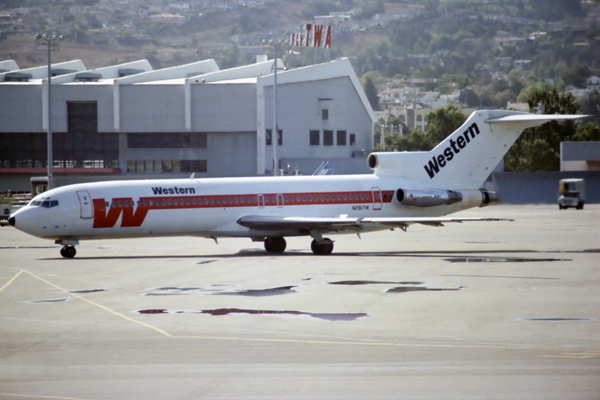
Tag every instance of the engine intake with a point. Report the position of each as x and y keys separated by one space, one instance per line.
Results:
x=427 y=197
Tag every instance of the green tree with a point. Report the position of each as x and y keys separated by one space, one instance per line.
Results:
x=589 y=132
x=469 y=97
x=442 y=122
x=538 y=149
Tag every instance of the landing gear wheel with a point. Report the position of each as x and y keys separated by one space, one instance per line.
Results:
x=322 y=249
x=275 y=245
x=68 y=251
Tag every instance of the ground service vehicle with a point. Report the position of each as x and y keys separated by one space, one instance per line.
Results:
x=572 y=193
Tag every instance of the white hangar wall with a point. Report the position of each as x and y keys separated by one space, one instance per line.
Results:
x=167 y=123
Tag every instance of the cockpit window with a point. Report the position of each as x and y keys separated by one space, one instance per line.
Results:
x=49 y=203
x=46 y=203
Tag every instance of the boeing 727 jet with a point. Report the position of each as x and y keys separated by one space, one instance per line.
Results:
x=406 y=188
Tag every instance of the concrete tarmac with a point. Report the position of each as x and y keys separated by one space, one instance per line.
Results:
x=489 y=310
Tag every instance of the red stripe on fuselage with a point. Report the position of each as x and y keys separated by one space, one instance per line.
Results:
x=134 y=215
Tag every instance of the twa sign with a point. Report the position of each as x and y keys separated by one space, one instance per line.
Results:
x=318 y=36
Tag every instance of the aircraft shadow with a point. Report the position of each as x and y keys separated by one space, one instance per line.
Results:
x=452 y=254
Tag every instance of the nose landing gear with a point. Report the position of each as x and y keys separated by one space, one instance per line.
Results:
x=68 y=251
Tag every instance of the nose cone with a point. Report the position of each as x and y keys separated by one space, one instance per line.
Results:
x=12 y=220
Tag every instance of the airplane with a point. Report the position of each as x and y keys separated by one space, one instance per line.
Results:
x=405 y=188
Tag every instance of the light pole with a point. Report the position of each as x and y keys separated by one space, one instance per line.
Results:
x=275 y=131
x=49 y=40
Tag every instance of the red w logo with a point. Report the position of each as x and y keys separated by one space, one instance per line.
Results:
x=102 y=219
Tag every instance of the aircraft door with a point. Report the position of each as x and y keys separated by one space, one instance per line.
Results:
x=261 y=201
x=377 y=199
x=85 y=204
x=280 y=200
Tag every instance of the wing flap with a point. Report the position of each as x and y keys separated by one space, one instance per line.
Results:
x=261 y=222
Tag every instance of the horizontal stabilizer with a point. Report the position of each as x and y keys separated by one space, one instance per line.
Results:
x=542 y=118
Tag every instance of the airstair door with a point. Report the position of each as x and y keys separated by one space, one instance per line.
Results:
x=377 y=200
x=85 y=204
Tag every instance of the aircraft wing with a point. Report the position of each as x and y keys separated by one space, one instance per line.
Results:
x=261 y=222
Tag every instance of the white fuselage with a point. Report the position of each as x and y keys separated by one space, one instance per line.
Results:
x=212 y=207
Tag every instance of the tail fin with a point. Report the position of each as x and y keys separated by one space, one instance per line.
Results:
x=466 y=157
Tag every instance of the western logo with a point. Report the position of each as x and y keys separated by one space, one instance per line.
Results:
x=122 y=206
x=173 y=190
x=441 y=160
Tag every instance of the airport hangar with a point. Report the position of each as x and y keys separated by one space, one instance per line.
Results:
x=132 y=122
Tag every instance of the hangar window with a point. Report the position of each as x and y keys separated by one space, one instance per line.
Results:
x=194 y=166
x=341 y=138
x=352 y=139
x=324 y=114
x=315 y=138
x=327 y=138
x=167 y=140
x=270 y=137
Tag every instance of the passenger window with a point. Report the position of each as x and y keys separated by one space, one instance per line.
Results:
x=126 y=203
x=174 y=201
x=114 y=204
x=106 y=204
x=218 y=200
x=236 y=200
x=345 y=197
x=188 y=202
x=303 y=198
x=145 y=203
x=242 y=200
x=327 y=197
x=164 y=203
x=230 y=200
x=362 y=196
x=120 y=204
x=322 y=198
x=309 y=198
x=169 y=202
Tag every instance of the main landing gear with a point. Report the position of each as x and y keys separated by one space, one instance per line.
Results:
x=322 y=249
x=275 y=245
x=68 y=251
x=278 y=244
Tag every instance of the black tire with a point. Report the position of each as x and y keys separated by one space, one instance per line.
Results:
x=275 y=245
x=579 y=205
x=322 y=249
x=70 y=251
x=62 y=251
x=560 y=207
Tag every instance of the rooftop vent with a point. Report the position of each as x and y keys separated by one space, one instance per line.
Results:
x=129 y=71
x=17 y=77
x=61 y=71
x=88 y=77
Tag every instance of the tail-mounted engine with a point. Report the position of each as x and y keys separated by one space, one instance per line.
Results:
x=488 y=198
x=427 y=197
x=442 y=197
